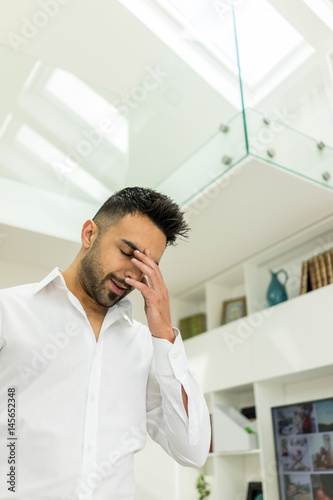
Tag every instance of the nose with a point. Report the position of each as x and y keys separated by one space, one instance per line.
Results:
x=133 y=272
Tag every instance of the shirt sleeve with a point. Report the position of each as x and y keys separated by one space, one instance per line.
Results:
x=185 y=438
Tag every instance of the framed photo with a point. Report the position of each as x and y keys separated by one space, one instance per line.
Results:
x=233 y=309
x=254 y=491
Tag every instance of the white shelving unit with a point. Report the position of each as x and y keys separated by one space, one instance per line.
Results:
x=275 y=355
x=251 y=278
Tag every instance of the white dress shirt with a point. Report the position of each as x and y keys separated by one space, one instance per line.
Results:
x=83 y=408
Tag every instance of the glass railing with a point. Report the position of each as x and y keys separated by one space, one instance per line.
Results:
x=287 y=88
x=209 y=163
x=279 y=144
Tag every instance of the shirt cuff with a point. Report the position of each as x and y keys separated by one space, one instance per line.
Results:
x=170 y=359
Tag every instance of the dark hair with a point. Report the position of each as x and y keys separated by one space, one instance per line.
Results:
x=160 y=209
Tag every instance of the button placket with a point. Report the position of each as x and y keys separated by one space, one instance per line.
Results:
x=91 y=417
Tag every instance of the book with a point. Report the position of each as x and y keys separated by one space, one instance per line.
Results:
x=312 y=275
x=304 y=278
x=317 y=272
x=322 y=270
x=192 y=325
x=328 y=265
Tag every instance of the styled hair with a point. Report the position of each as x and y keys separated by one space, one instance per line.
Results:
x=159 y=208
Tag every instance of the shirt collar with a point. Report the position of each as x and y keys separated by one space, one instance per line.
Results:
x=55 y=276
x=125 y=305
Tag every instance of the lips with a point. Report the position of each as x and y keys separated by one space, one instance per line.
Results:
x=119 y=289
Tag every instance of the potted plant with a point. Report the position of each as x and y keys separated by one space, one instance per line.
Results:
x=202 y=487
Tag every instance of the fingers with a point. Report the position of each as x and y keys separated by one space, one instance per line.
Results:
x=139 y=285
x=146 y=258
x=152 y=277
x=143 y=267
x=146 y=264
x=145 y=281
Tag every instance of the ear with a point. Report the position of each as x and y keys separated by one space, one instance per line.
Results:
x=89 y=234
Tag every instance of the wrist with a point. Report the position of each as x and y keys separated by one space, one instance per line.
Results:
x=166 y=334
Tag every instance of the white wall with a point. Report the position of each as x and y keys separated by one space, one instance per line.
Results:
x=14 y=273
x=155 y=474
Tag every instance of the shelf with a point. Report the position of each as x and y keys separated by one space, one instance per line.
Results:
x=279 y=341
x=251 y=278
x=228 y=453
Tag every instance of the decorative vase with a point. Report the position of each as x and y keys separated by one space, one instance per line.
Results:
x=276 y=292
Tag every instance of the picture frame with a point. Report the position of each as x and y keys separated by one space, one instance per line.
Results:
x=254 y=491
x=233 y=309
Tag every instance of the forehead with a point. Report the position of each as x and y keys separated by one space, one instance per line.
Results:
x=139 y=230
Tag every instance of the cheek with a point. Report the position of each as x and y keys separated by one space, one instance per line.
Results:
x=115 y=261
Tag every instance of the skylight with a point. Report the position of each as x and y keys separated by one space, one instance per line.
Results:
x=323 y=9
x=259 y=26
x=90 y=106
x=53 y=158
x=202 y=33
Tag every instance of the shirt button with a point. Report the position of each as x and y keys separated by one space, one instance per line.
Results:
x=92 y=397
x=175 y=356
x=89 y=448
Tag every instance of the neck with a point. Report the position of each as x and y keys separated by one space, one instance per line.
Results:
x=73 y=284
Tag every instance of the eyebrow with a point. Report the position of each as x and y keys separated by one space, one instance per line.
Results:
x=133 y=246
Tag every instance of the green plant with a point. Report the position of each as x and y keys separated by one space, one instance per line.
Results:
x=202 y=487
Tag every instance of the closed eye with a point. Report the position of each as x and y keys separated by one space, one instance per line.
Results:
x=127 y=254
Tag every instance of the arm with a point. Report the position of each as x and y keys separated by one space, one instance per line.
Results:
x=177 y=415
x=183 y=435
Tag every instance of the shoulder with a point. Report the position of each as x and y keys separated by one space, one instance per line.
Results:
x=17 y=291
x=141 y=329
x=16 y=296
x=142 y=336
x=13 y=299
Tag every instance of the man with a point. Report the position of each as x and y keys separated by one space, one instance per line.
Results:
x=81 y=382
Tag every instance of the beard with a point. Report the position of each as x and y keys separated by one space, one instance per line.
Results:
x=95 y=283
